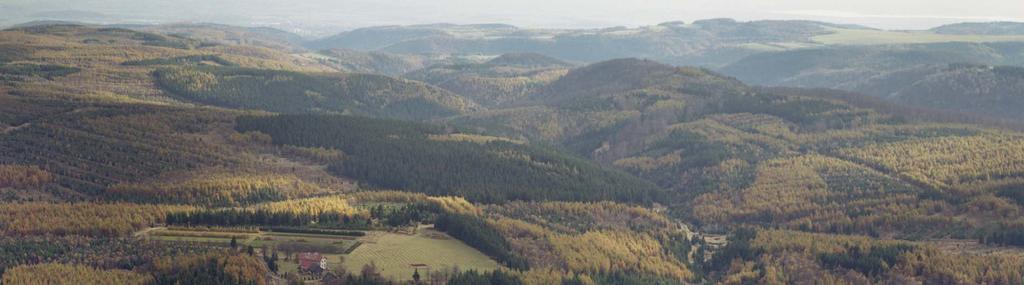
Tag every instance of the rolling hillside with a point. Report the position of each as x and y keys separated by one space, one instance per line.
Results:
x=736 y=154
x=995 y=91
x=294 y=92
x=958 y=77
x=162 y=158
x=839 y=66
x=707 y=42
x=503 y=79
x=349 y=60
x=425 y=158
x=234 y=35
x=134 y=148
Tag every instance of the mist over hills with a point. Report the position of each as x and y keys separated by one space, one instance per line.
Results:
x=226 y=34
x=710 y=43
x=706 y=42
x=962 y=77
x=994 y=28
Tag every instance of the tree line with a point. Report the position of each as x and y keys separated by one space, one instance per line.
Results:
x=478 y=234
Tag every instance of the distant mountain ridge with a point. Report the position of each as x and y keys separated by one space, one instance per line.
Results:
x=996 y=91
x=989 y=28
x=711 y=43
x=965 y=77
x=208 y=32
x=705 y=42
x=226 y=34
x=350 y=60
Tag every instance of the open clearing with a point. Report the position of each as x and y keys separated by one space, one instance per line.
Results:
x=257 y=240
x=395 y=253
x=874 y=37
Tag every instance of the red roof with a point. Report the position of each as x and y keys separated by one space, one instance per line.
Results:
x=309 y=260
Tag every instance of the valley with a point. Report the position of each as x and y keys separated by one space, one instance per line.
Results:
x=704 y=153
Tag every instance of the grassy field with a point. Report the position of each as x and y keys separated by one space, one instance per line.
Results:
x=194 y=239
x=203 y=234
x=257 y=240
x=395 y=253
x=873 y=37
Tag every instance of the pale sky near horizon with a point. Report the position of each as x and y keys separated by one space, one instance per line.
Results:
x=887 y=14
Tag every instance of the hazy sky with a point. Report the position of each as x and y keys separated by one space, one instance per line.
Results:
x=889 y=14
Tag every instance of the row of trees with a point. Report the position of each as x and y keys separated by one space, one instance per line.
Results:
x=370 y=275
x=262 y=217
x=329 y=211
x=472 y=277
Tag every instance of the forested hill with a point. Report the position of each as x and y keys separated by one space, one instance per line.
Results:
x=180 y=159
x=131 y=146
x=528 y=60
x=970 y=78
x=846 y=66
x=501 y=80
x=225 y=34
x=295 y=92
x=357 y=61
x=984 y=90
x=623 y=75
x=426 y=158
x=735 y=154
